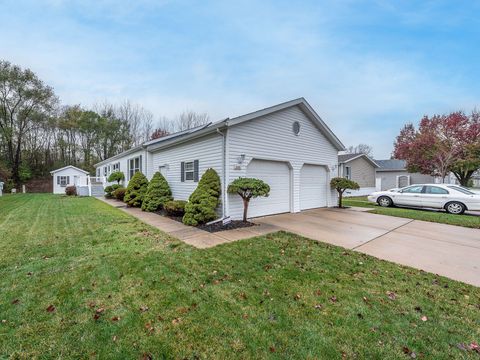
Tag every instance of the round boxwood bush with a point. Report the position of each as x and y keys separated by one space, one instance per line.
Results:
x=203 y=202
x=136 y=189
x=158 y=193
x=110 y=189
x=119 y=194
x=175 y=207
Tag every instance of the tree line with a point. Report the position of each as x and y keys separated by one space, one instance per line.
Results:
x=39 y=134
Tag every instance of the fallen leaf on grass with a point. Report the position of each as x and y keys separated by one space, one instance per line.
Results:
x=114 y=338
x=15 y=302
x=143 y=308
x=424 y=318
x=318 y=306
x=333 y=299
x=100 y=310
x=272 y=349
x=176 y=321
x=50 y=308
x=408 y=352
x=318 y=292
x=297 y=297
x=147 y=356
x=115 y=318
x=391 y=295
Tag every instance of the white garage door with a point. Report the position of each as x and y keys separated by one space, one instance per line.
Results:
x=313 y=187
x=277 y=175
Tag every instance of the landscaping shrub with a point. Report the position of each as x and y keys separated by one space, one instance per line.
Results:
x=119 y=194
x=71 y=191
x=341 y=184
x=116 y=176
x=110 y=189
x=175 y=207
x=158 y=193
x=248 y=188
x=204 y=200
x=136 y=189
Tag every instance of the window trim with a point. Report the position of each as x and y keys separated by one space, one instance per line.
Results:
x=140 y=166
x=348 y=172
x=116 y=167
x=63 y=177
x=192 y=171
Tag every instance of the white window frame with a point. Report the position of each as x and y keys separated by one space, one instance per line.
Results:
x=135 y=168
x=189 y=171
x=348 y=172
x=116 y=167
x=63 y=180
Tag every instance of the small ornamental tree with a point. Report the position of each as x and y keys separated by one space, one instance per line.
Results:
x=203 y=202
x=341 y=184
x=117 y=176
x=136 y=189
x=158 y=193
x=248 y=188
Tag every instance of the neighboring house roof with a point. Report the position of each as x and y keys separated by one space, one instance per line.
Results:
x=69 y=167
x=212 y=127
x=392 y=165
x=345 y=158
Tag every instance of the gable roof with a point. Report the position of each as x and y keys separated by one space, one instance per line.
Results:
x=67 y=167
x=212 y=127
x=391 y=165
x=345 y=158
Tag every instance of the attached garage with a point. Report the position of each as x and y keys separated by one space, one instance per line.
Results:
x=313 y=187
x=277 y=175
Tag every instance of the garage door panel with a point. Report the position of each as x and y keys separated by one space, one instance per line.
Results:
x=313 y=187
x=277 y=176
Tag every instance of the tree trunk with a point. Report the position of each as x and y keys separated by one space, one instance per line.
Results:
x=245 y=209
x=340 y=198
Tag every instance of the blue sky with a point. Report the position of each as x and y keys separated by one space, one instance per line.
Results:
x=367 y=67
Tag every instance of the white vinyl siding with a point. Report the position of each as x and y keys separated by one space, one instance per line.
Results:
x=271 y=137
x=207 y=150
x=66 y=177
x=122 y=164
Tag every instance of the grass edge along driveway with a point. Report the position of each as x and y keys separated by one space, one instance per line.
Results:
x=82 y=279
x=465 y=220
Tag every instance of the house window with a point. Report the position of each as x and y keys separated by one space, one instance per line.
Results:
x=189 y=171
x=134 y=166
x=105 y=171
x=348 y=172
x=98 y=172
x=63 y=180
x=116 y=167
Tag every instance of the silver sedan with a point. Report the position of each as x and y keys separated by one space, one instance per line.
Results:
x=453 y=198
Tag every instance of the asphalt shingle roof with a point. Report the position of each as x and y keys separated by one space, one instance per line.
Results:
x=392 y=164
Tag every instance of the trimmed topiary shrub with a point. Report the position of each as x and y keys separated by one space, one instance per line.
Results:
x=119 y=194
x=116 y=176
x=175 y=207
x=110 y=189
x=248 y=188
x=341 y=184
x=71 y=191
x=136 y=189
x=203 y=202
x=158 y=193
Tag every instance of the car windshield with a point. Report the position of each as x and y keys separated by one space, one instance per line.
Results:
x=462 y=190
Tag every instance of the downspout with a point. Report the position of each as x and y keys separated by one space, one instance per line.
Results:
x=224 y=177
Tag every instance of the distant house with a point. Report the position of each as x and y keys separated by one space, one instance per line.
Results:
x=287 y=145
x=67 y=176
x=359 y=168
x=392 y=173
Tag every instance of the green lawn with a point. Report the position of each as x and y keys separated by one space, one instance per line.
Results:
x=80 y=279
x=466 y=220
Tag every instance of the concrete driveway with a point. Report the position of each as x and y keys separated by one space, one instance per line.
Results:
x=447 y=250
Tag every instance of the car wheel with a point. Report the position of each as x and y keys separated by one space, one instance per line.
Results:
x=455 y=208
x=384 y=201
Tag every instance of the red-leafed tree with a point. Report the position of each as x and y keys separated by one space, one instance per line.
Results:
x=159 y=133
x=442 y=143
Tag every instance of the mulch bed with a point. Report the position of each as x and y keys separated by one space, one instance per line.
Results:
x=164 y=214
x=218 y=226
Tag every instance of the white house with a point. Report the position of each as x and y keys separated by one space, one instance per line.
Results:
x=67 y=176
x=287 y=145
x=359 y=168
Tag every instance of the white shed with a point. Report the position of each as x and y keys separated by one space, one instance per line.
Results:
x=67 y=176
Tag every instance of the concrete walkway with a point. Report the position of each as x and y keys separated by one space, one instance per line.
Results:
x=447 y=250
x=191 y=235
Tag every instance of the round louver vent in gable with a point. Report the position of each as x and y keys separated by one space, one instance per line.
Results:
x=296 y=127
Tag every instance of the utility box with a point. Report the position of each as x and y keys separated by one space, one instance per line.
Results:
x=1 y=188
